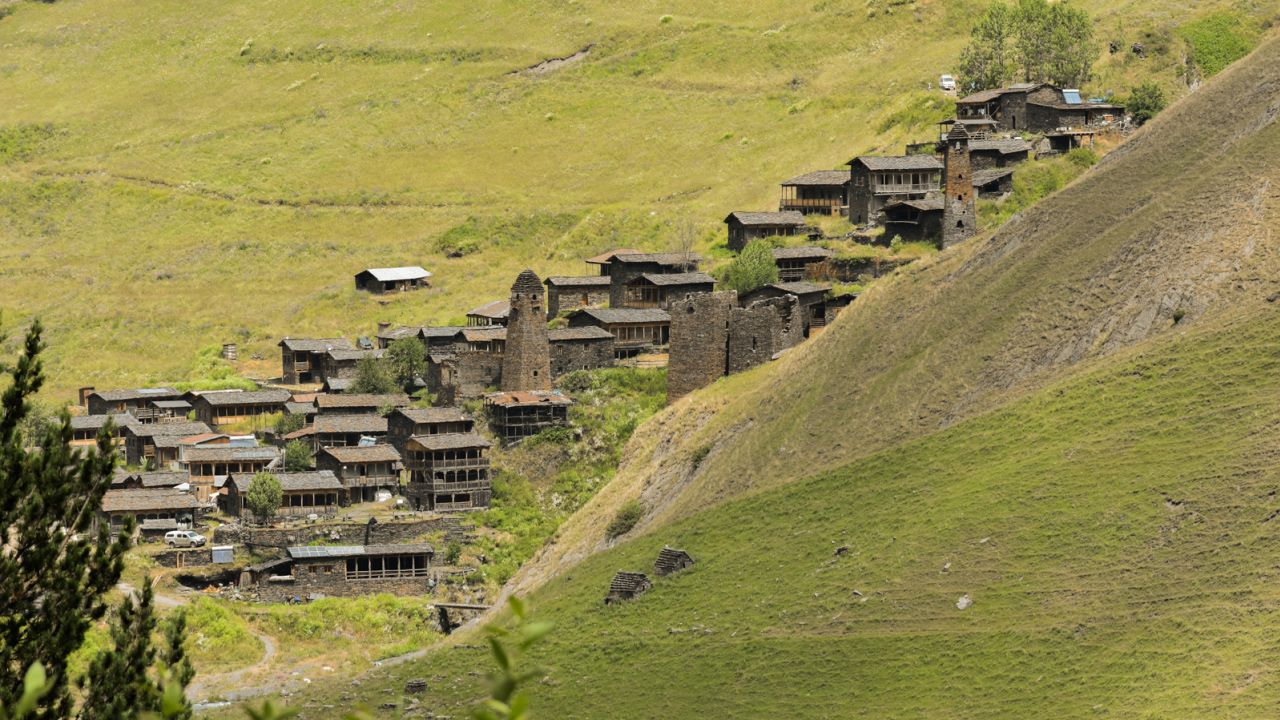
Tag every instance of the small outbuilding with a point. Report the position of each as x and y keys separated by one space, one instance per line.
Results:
x=627 y=586
x=913 y=220
x=395 y=279
x=799 y=263
x=576 y=291
x=744 y=227
x=821 y=191
x=518 y=414
x=671 y=560
x=490 y=313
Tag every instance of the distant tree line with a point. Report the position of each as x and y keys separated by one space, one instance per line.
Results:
x=1029 y=41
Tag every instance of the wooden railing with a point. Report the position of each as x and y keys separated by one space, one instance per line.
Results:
x=440 y=486
x=905 y=188
x=388 y=574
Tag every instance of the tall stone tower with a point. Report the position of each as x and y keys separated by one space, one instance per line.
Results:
x=526 y=362
x=959 y=216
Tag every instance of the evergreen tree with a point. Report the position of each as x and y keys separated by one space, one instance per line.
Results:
x=56 y=567
x=263 y=496
x=117 y=685
x=753 y=268
x=297 y=456
x=407 y=358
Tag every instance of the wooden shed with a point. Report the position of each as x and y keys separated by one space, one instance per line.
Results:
x=394 y=279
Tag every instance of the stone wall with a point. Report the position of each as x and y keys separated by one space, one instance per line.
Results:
x=959 y=214
x=526 y=361
x=763 y=329
x=384 y=533
x=178 y=557
x=335 y=584
x=570 y=355
x=466 y=375
x=699 y=341
x=570 y=298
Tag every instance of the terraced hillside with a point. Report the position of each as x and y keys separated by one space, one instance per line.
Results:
x=176 y=175
x=1073 y=423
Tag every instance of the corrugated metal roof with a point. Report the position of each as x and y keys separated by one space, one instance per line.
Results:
x=393 y=274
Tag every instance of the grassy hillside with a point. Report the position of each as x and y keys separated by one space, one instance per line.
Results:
x=1073 y=422
x=179 y=175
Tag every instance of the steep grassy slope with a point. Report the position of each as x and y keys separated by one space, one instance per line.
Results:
x=1099 y=478
x=1174 y=229
x=179 y=174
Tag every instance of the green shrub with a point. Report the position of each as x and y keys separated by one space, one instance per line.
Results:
x=1219 y=39
x=298 y=456
x=1083 y=157
x=753 y=268
x=21 y=142
x=629 y=515
x=477 y=233
x=1146 y=101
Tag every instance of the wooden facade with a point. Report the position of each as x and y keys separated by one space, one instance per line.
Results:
x=108 y=402
x=205 y=463
x=518 y=415
x=880 y=180
x=823 y=192
x=743 y=227
x=302 y=359
x=303 y=493
x=633 y=329
x=657 y=290
x=799 y=263
x=225 y=407
x=362 y=471
x=448 y=472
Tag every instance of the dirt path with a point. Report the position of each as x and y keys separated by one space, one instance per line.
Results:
x=198 y=692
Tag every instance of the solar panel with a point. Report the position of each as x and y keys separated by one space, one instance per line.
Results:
x=1071 y=97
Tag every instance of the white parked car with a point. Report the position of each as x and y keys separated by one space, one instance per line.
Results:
x=948 y=83
x=183 y=538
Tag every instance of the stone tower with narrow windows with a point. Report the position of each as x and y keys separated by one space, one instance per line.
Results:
x=959 y=215
x=526 y=361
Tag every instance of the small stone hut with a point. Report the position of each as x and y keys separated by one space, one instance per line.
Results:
x=626 y=586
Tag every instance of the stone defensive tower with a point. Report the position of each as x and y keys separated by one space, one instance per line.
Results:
x=699 y=341
x=959 y=216
x=526 y=362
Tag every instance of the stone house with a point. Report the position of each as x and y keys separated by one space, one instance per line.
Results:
x=156 y=510
x=657 y=290
x=85 y=428
x=357 y=404
x=463 y=375
x=395 y=279
x=490 y=313
x=486 y=338
x=1038 y=107
x=517 y=415
x=304 y=493
x=811 y=298
x=623 y=267
x=627 y=586
x=388 y=334
x=634 y=330
x=362 y=470
x=566 y=293
x=979 y=128
x=346 y=430
x=156 y=444
x=743 y=227
x=407 y=422
x=989 y=154
x=579 y=348
x=914 y=220
x=314 y=571
x=993 y=183
x=150 y=480
x=224 y=407
x=711 y=336
x=448 y=471
x=604 y=261
x=822 y=191
x=799 y=263
x=162 y=410
x=342 y=364
x=204 y=464
x=109 y=402
x=302 y=359
x=880 y=180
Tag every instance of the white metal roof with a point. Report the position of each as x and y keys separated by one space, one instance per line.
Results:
x=398 y=273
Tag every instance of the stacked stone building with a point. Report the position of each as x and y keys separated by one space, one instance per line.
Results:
x=959 y=214
x=526 y=359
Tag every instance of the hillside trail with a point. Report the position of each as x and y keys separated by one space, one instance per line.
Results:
x=199 y=691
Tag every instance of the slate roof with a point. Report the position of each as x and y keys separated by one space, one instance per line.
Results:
x=926 y=205
x=347 y=354
x=136 y=500
x=315 y=344
x=496 y=310
x=527 y=282
x=350 y=424
x=1004 y=147
x=677 y=279
x=629 y=583
x=95 y=422
x=622 y=316
x=898 y=162
x=304 y=552
x=411 y=272
x=358 y=400
x=986 y=177
x=266 y=397
x=371 y=453
x=527 y=398
x=606 y=257
x=399 y=331
x=162 y=393
x=796 y=288
x=820 y=177
x=434 y=414
x=291 y=481
x=337 y=384
x=182 y=428
x=799 y=253
x=984 y=96
x=299 y=408
x=171 y=404
x=450 y=441
x=442 y=331
x=590 y=332
x=793 y=218
x=228 y=453
x=670 y=258
x=484 y=333
x=157 y=479
x=578 y=281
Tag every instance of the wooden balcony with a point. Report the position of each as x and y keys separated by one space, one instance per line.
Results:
x=906 y=188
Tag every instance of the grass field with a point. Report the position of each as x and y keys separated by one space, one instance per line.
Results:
x=174 y=176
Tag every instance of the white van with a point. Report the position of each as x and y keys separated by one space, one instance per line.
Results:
x=948 y=83
x=183 y=538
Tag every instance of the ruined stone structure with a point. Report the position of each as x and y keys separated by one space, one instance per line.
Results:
x=464 y=375
x=711 y=336
x=626 y=586
x=671 y=560
x=526 y=360
x=959 y=214
x=344 y=571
